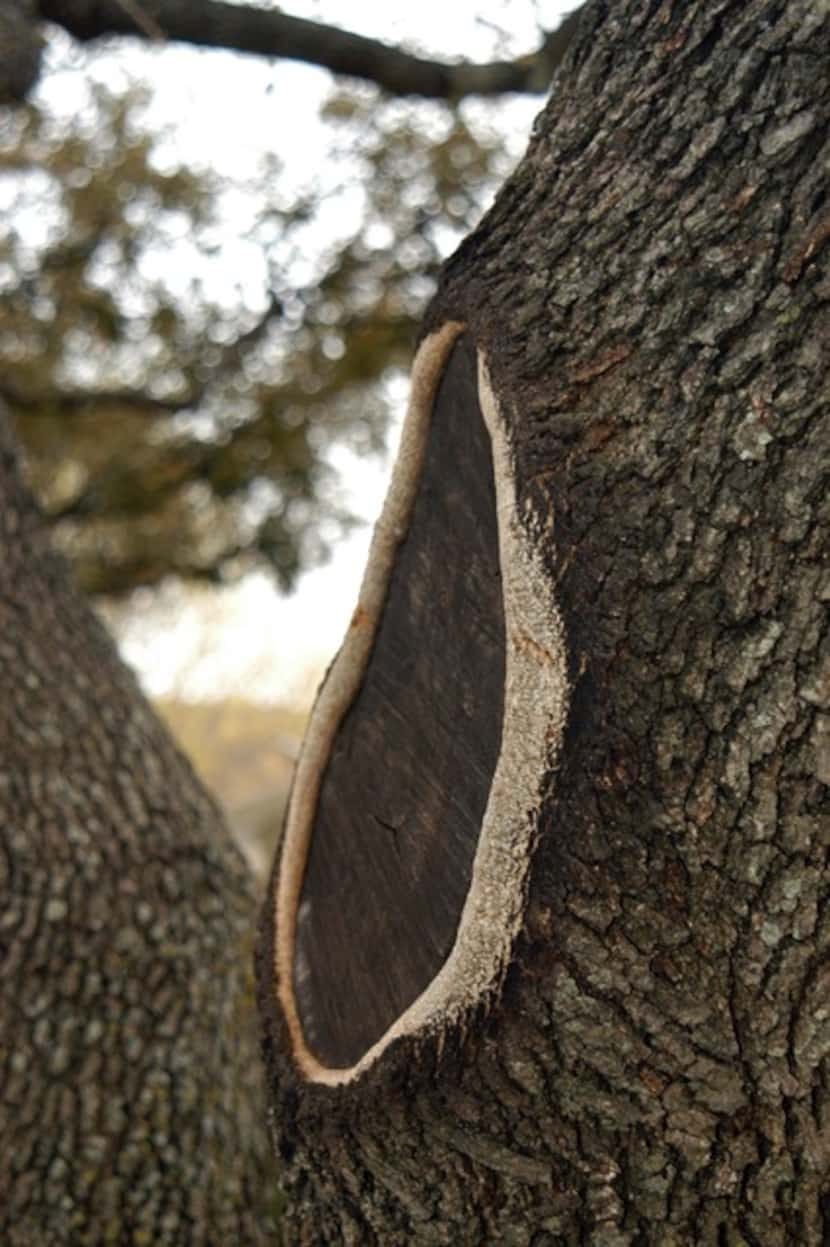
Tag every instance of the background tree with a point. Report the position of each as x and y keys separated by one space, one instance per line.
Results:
x=178 y=423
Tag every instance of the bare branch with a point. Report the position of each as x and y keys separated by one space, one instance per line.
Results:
x=270 y=32
x=117 y=579
x=69 y=402
x=143 y=20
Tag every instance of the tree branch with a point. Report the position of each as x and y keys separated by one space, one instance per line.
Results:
x=73 y=402
x=82 y=402
x=270 y=32
x=117 y=579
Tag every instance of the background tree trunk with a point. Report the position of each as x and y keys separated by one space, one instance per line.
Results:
x=131 y=1103
x=651 y=293
x=20 y=49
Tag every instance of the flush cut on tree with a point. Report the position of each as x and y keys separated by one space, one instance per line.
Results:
x=400 y=881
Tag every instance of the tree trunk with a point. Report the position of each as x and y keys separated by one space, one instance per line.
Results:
x=579 y=995
x=20 y=49
x=130 y=1096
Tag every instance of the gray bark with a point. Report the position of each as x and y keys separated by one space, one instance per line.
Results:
x=651 y=289
x=130 y=1089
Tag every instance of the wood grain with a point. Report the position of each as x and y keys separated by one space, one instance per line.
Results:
x=406 y=785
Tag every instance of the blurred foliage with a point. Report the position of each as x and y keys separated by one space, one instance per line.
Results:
x=178 y=390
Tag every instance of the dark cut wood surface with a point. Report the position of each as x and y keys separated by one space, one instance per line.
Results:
x=405 y=789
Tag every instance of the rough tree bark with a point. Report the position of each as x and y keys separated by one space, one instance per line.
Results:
x=130 y=1088
x=645 y=1061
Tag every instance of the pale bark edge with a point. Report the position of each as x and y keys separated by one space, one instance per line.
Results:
x=535 y=710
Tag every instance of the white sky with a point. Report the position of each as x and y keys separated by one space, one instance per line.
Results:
x=225 y=111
